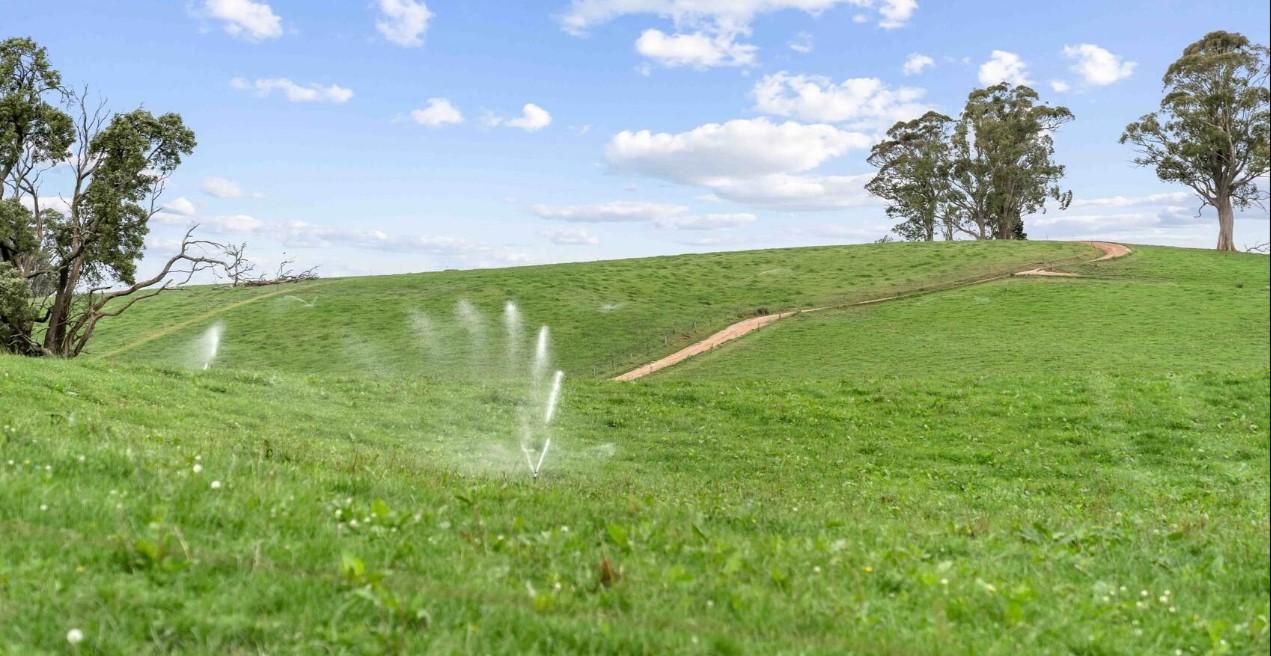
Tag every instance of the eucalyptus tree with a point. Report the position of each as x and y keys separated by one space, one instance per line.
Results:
x=978 y=175
x=913 y=166
x=84 y=252
x=1212 y=130
x=1003 y=167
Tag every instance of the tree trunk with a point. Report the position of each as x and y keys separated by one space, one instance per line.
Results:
x=1226 y=224
x=57 y=341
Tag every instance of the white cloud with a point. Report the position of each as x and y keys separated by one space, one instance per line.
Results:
x=1174 y=217
x=738 y=148
x=239 y=223
x=916 y=63
x=254 y=21
x=865 y=103
x=1168 y=198
x=181 y=206
x=797 y=192
x=533 y=118
x=453 y=251
x=1060 y=86
x=436 y=113
x=294 y=92
x=662 y=215
x=621 y=211
x=574 y=236
x=695 y=49
x=803 y=43
x=707 y=221
x=403 y=22
x=221 y=187
x=55 y=203
x=302 y=234
x=1097 y=66
x=707 y=31
x=748 y=160
x=896 y=13
x=735 y=14
x=1003 y=66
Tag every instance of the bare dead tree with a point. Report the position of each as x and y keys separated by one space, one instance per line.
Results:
x=285 y=274
x=237 y=266
x=193 y=257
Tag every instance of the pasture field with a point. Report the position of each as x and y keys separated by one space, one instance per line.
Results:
x=607 y=317
x=1161 y=310
x=1074 y=466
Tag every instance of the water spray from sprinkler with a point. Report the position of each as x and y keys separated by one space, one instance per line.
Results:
x=552 y=399
x=211 y=343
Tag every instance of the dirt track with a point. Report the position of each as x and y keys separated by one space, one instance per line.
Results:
x=747 y=326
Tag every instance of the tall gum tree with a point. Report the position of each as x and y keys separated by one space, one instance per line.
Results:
x=1003 y=160
x=1211 y=132
x=978 y=175
x=913 y=164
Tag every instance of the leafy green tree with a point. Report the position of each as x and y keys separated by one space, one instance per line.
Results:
x=85 y=255
x=913 y=164
x=1003 y=166
x=1212 y=130
x=979 y=175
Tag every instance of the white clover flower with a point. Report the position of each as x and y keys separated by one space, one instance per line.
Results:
x=198 y=468
x=216 y=485
x=74 y=636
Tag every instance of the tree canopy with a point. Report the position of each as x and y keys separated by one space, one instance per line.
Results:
x=1212 y=130
x=913 y=165
x=978 y=175
x=69 y=267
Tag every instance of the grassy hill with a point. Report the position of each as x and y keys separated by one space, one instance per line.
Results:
x=607 y=317
x=831 y=484
x=1161 y=310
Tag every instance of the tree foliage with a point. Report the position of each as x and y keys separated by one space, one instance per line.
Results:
x=978 y=175
x=70 y=267
x=913 y=162
x=1212 y=130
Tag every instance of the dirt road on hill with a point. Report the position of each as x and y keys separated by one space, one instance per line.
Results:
x=747 y=326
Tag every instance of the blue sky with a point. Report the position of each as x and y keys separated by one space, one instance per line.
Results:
x=381 y=136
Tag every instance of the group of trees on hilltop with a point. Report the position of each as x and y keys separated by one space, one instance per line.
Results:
x=977 y=175
x=980 y=174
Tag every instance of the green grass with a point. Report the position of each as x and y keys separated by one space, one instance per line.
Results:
x=1158 y=310
x=608 y=316
x=930 y=504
